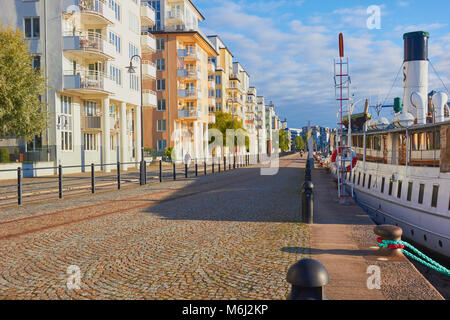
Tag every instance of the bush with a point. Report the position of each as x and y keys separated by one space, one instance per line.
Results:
x=168 y=153
x=4 y=155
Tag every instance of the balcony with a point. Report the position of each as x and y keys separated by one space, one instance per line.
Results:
x=147 y=15
x=189 y=94
x=148 y=42
x=92 y=12
x=176 y=17
x=93 y=123
x=190 y=54
x=191 y=114
x=148 y=70
x=193 y=74
x=88 y=82
x=149 y=98
x=87 y=45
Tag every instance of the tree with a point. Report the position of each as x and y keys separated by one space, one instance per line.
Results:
x=284 y=141
x=224 y=122
x=22 y=114
x=299 y=143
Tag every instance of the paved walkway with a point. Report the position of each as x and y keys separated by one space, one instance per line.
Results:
x=342 y=239
x=221 y=236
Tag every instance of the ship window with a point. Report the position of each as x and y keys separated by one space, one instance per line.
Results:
x=382 y=184
x=364 y=180
x=434 y=197
x=370 y=180
x=359 y=178
x=399 y=189
x=390 y=188
x=421 y=191
x=410 y=186
x=354 y=179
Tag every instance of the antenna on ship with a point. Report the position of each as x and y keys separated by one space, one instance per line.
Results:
x=342 y=95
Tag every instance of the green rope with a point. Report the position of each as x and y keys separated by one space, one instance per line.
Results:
x=430 y=263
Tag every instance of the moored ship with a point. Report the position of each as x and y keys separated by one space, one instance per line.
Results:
x=402 y=176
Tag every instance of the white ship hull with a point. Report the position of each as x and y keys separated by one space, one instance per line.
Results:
x=426 y=223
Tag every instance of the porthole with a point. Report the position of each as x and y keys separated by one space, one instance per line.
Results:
x=425 y=237
x=440 y=243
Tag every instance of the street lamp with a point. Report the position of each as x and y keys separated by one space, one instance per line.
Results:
x=234 y=149
x=131 y=70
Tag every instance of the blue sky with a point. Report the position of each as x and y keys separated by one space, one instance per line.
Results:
x=288 y=46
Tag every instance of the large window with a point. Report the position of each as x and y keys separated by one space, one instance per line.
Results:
x=90 y=108
x=160 y=64
x=90 y=141
x=218 y=93
x=65 y=123
x=161 y=145
x=36 y=62
x=161 y=105
x=115 y=74
x=32 y=27
x=160 y=44
x=134 y=82
x=114 y=39
x=161 y=125
x=218 y=79
x=113 y=5
x=160 y=84
x=434 y=196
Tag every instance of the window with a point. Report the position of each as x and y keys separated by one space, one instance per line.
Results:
x=115 y=74
x=354 y=178
x=32 y=27
x=410 y=186
x=218 y=93
x=364 y=180
x=36 y=63
x=421 y=192
x=161 y=125
x=160 y=64
x=399 y=189
x=132 y=51
x=218 y=79
x=161 y=145
x=161 y=84
x=161 y=105
x=134 y=82
x=370 y=180
x=434 y=197
x=218 y=106
x=382 y=184
x=114 y=39
x=90 y=108
x=133 y=23
x=390 y=187
x=359 y=178
x=160 y=44
x=65 y=123
x=90 y=142
x=113 y=5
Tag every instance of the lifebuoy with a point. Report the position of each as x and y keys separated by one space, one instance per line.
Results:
x=350 y=166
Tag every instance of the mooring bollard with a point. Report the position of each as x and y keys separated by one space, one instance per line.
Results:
x=389 y=232
x=308 y=278
x=174 y=171
x=307 y=202
x=204 y=167
x=160 y=170
x=224 y=163
x=144 y=173
x=196 y=168
x=185 y=170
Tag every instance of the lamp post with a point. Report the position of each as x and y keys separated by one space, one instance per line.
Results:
x=234 y=149
x=131 y=70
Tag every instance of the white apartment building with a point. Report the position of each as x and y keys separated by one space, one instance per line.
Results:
x=261 y=123
x=84 y=47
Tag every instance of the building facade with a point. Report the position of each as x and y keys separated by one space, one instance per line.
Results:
x=84 y=48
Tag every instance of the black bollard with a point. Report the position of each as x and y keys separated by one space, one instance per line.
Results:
x=118 y=175
x=307 y=277
x=60 y=182
x=307 y=202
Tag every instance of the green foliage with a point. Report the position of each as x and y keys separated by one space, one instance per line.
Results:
x=168 y=153
x=299 y=143
x=284 y=141
x=21 y=112
x=224 y=121
x=4 y=155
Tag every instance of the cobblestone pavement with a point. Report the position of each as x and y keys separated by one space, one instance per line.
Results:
x=214 y=237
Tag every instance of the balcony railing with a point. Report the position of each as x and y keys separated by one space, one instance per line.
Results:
x=148 y=42
x=189 y=113
x=148 y=15
x=148 y=69
x=149 y=98
x=97 y=12
x=191 y=53
x=91 y=122
x=88 y=42
x=84 y=79
x=189 y=73
x=187 y=93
